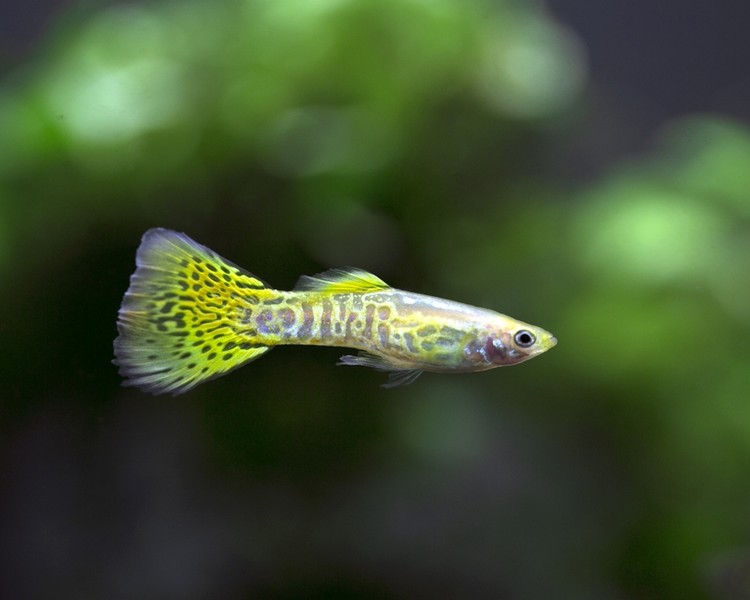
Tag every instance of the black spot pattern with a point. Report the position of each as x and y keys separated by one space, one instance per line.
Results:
x=164 y=319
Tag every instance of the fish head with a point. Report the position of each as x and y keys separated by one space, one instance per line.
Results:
x=509 y=344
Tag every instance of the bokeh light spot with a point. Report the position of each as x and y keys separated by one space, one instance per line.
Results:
x=531 y=70
x=651 y=235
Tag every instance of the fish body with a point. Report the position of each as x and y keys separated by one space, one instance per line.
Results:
x=190 y=315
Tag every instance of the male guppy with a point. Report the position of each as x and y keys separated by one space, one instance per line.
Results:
x=190 y=315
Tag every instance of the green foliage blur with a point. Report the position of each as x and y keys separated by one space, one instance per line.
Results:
x=403 y=137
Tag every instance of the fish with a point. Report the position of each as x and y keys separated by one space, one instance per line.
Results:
x=189 y=316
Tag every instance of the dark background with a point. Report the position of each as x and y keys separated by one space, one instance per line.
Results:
x=582 y=166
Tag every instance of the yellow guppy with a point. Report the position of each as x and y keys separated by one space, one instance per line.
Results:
x=190 y=315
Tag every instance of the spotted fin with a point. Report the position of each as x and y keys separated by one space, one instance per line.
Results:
x=179 y=321
x=396 y=375
x=338 y=281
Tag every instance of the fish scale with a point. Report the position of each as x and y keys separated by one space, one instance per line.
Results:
x=190 y=315
x=362 y=321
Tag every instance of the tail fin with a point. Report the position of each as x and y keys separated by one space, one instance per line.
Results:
x=181 y=320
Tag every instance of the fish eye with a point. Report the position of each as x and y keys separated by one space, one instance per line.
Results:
x=524 y=338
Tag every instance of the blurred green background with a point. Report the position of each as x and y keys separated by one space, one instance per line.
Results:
x=485 y=152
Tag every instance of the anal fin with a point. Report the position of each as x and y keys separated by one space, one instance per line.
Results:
x=396 y=375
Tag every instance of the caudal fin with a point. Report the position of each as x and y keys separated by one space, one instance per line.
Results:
x=181 y=320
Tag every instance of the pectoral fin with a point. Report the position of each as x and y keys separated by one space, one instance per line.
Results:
x=402 y=377
x=396 y=375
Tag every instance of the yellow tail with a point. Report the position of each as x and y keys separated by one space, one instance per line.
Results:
x=181 y=320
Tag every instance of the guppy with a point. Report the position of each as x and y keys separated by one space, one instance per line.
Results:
x=190 y=315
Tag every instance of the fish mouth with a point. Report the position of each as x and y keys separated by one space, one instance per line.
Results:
x=548 y=341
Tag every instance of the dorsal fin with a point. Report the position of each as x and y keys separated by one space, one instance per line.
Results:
x=348 y=280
